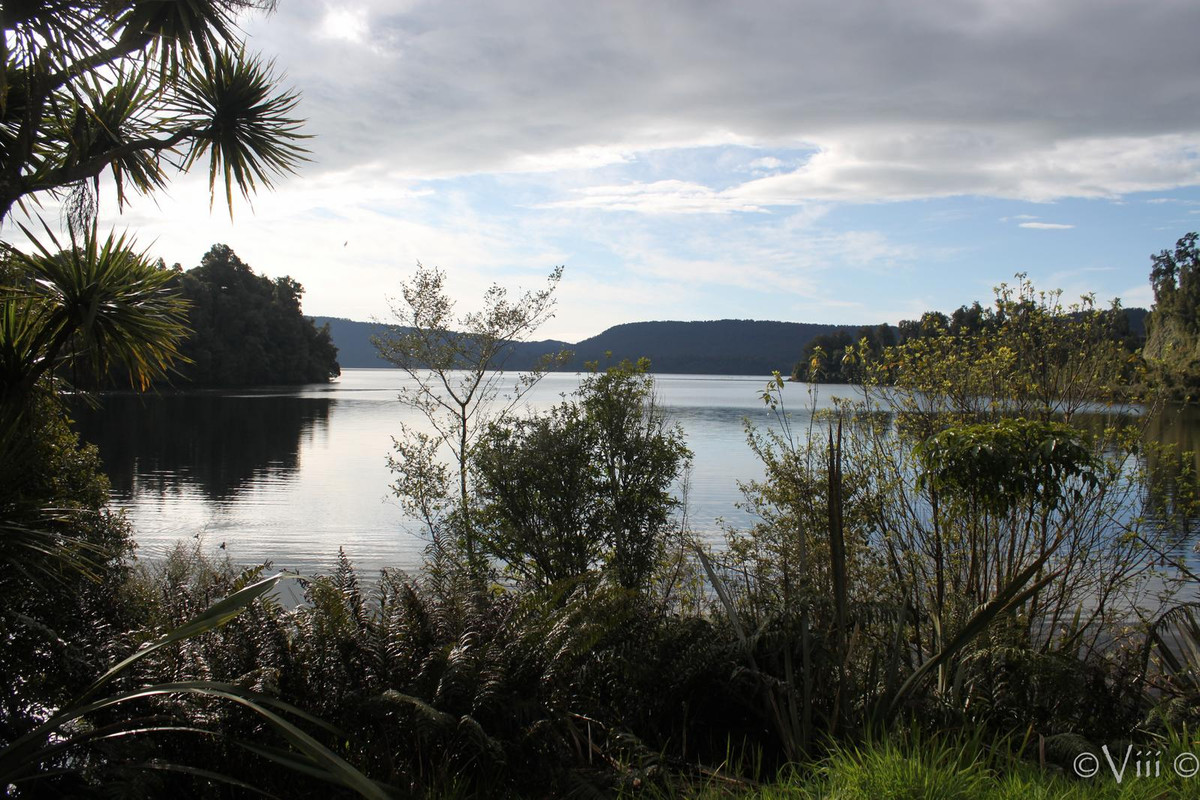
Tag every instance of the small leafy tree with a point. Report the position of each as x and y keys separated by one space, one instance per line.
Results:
x=640 y=456
x=586 y=484
x=456 y=366
x=538 y=483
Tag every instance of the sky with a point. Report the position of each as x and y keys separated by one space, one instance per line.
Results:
x=810 y=161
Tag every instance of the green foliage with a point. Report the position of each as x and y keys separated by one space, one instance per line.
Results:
x=456 y=365
x=1174 y=642
x=588 y=483
x=1008 y=461
x=541 y=515
x=1032 y=356
x=135 y=88
x=436 y=689
x=824 y=359
x=92 y=306
x=1175 y=278
x=950 y=767
x=248 y=329
x=60 y=752
x=1173 y=327
x=964 y=549
x=62 y=567
x=95 y=306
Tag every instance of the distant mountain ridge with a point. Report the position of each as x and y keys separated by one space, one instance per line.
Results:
x=707 y=347
x=720 y=347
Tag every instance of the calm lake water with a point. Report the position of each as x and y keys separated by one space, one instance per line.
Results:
x=292 y=474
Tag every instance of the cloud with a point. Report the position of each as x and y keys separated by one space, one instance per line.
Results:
x=349 y=25
x=1078 y=98
x=768 y=162
x=1046 y=226
x=659 y=197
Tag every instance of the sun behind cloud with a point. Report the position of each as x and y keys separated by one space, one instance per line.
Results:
x=347 y=24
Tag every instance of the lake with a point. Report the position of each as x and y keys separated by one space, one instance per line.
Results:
x=291 y=474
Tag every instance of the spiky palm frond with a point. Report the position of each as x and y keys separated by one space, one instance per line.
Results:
x=1175 y=637
x=113 y=115
x=42 y=555
x=24 y=327
x=53 y=34
x=109 y=303
x=182 y=29
x=70 y=106
x=243 y=124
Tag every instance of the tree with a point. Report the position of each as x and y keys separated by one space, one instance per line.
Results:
x=136 y=87
x=639 y=457
x=248 y=329
x=456 y=366
x=585 y=484
x=1175 y=278
x=823 y=359
x=931 y=323
x=133 y=87
x=1173 y=326
x=79 y=307
x=538 y=482
x=93 y=301
x=1004 y=462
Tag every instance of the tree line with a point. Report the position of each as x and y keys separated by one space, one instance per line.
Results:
x=837 y=357
x=248 y=329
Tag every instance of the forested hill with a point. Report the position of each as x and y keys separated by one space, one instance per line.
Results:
x=353 y=341
x=247 y=329
x=723 y=347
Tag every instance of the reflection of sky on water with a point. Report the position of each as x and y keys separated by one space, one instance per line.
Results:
x=291 y=475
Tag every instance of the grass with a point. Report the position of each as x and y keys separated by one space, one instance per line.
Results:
x=952 y=768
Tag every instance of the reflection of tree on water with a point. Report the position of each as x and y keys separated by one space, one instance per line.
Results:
x=1172 y=460
x=215 y=442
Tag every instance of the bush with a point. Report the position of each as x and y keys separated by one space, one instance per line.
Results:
x=63 y=567
x=586 y=485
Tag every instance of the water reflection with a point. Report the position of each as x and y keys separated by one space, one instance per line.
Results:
x=218 y=444
x=293 y=475
x=1180 y=426
x=290 y=476
x=1171 y=445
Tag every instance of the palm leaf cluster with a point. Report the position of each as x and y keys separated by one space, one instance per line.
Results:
x=70 y=312
x=138 y=88
x=89 y=305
